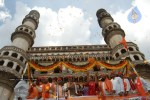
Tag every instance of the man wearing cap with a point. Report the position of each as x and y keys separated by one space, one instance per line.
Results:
x=45 y=88
x=21 y=89
x=105 y=85
x=70 y=87
x=53 y=87
x=33 y=92
x=118 y=85
x=59 y=88
x=91 y=86
x=39 y=87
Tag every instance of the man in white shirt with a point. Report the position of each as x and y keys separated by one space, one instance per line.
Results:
x=118 y=85
x=126 y=83
x=21 y=89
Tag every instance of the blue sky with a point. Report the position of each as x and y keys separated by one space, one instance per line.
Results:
x=74 y=22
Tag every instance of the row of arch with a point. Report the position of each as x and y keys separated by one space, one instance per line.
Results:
x=73 y=59
x=15 y=55
x=124 y=51
x=26 y=30
x=70 y=47
x=111 y=27
x=10 y=64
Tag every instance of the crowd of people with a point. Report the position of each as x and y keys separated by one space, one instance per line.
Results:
x=105 y=85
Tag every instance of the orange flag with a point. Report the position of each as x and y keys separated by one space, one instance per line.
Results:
x=140 y=88
x=124 y=43
x=108 y=85
x=32 y=93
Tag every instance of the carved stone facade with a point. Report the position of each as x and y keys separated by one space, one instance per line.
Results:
x=13 y=59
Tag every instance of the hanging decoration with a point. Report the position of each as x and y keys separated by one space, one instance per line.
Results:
x=44 y=68
x=76 y=68
x=113 y=67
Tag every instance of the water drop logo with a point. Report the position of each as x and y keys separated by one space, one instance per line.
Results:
x=134 y=16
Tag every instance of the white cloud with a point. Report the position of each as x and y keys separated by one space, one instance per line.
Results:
x=8 y=27
x=4 y=14
x=69 y=26
x=1 y=3
x=138 y=32
x=65 y=27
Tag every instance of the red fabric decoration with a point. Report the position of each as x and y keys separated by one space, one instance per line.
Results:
x=59 y=79
x=69 y=77
x=132 y=74
x=124 y=43
x=120 y=73
x=140 y=88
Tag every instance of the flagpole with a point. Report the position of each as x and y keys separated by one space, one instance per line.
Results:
x=24 y=71
x=57 y=97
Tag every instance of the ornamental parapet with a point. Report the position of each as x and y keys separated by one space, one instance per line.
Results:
x=33 y=16
x=9 y=48
x=119 y=46
x=102 y=14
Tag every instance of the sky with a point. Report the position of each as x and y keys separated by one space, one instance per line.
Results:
x=74 y=22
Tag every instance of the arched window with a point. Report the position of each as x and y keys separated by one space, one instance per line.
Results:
x=57 y=70
x=117 y=54
x=70 y=59
x=53 y=59
x=107 y=58
x=111 y=58
x=82 y=59
x=110 y=27
x=103 y=58
x=114 y=26
x=96 y=68
x=10 y=64
x=14 y=55
x=123 y=51
x=6 y=53
x=86 y=59
x=136 y=57
x=130 y=49
x=18 y=68
x=44 y=72
x=31 y=33
x=44 y=59
x=21 y=28
x=65 y=59
x=74 y=59
x=1 y=62
x=26 y=30
x=21 y=58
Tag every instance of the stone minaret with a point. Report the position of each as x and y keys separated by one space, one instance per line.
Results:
x=13 y=59
x=112 y=31
x=113 y=35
